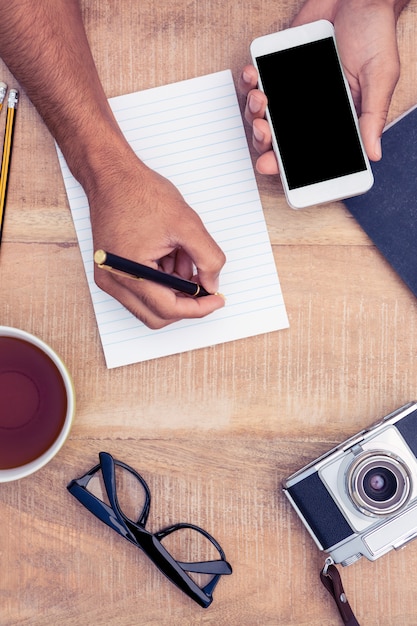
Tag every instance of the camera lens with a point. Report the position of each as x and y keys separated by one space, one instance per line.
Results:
x=378 y=483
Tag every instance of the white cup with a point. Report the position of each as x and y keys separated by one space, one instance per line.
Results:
x=16 y=371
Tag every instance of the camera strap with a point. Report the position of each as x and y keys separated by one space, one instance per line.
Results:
x=331 y=579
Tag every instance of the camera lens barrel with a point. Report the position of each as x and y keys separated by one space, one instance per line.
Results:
x=378 y=483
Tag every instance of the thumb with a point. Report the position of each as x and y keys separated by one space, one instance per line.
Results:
x=371 y=127
x=377 y=86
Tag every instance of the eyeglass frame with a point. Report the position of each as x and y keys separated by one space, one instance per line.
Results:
x=149 y=543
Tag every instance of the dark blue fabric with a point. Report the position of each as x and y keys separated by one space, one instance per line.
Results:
x=388 y=212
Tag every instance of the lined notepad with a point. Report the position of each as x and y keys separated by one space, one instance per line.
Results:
x=192 y=133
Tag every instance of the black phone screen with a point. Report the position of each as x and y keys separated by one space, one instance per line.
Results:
x=310 y=113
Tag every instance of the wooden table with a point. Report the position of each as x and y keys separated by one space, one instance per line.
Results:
x=213 y=431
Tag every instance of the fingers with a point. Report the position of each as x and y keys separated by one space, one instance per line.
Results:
x=154 y=305
x=178 y=263
x=267 y=164
x=206 y=255
x=255 y=99
x=256 y=103
x=248 y=79
x=191 y=247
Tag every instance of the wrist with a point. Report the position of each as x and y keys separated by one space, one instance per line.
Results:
x=99 y=159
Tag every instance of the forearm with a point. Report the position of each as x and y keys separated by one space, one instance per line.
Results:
x=45 y=46
x=134 y=211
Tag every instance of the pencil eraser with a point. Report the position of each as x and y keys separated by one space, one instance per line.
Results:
x=3 y=85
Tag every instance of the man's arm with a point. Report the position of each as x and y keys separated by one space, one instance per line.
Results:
x=134 y=212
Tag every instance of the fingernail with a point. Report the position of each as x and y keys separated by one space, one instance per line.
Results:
x=259 y=136
x=254 y=105
x=247 y=77
x=378 y=149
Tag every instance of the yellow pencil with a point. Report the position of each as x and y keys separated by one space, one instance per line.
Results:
x=3 y=91
x=7 y=152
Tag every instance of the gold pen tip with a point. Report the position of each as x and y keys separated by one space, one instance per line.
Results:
x=99 y=257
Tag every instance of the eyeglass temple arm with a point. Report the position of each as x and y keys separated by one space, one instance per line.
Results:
x=110 y=515
x=207 y=567
x=170 y=529
x=131 y=531
x=100 y=509
x=202 y=595
x=109 y=478
x=216 y=568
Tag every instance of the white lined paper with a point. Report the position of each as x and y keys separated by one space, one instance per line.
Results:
x=192 y=133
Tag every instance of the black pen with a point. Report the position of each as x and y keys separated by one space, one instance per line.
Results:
x=117 y=264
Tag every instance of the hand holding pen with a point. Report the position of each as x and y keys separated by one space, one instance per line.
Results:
x=125 y=267
x=145 y=218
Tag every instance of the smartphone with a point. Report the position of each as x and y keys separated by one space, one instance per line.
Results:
x=315 y=129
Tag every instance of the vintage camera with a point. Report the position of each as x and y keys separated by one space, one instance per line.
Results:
x=360 y=499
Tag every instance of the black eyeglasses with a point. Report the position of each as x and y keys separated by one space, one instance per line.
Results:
x=110 y=476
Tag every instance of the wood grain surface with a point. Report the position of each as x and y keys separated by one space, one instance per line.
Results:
x=215 y=431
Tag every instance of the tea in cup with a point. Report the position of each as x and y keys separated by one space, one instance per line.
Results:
x=37 y=403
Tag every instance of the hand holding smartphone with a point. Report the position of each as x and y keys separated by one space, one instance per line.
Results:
x=315 y=129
